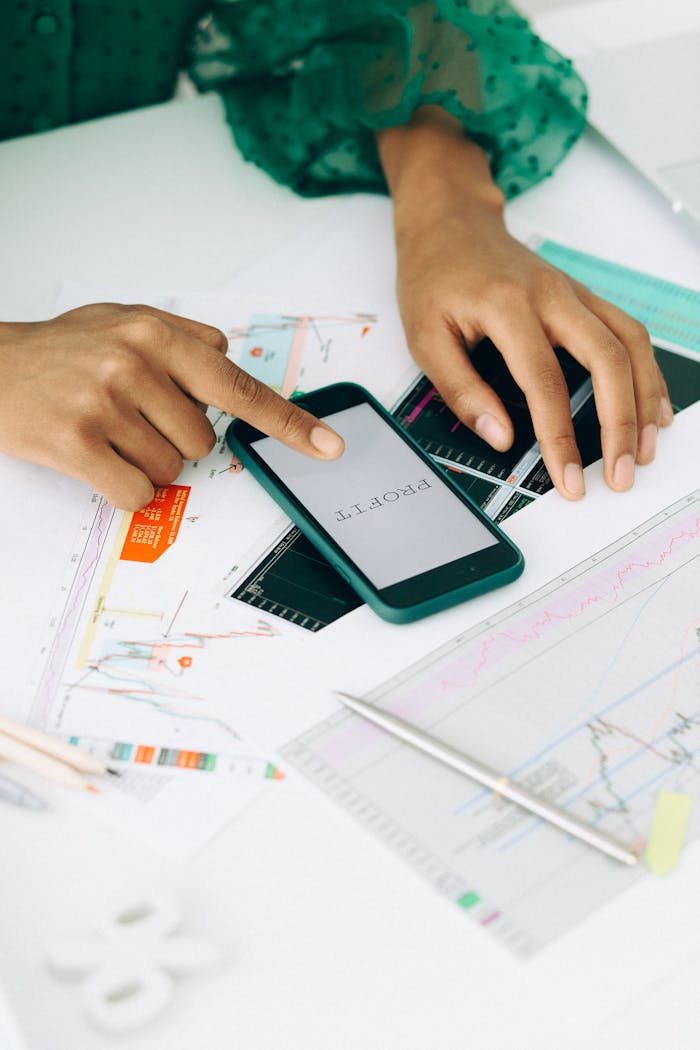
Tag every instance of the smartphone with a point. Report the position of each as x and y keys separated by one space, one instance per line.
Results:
x=383 y=514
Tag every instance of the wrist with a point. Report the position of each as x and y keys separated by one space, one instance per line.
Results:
x=11 y=332
x=431 y=166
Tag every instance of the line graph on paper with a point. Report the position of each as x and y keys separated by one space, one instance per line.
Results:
x=587 y=691
x=127 y=648
x=123 y=647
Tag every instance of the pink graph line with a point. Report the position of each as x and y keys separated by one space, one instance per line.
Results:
x=421 y=405
x=62 y=638
x=607 y=586
x=551 y=616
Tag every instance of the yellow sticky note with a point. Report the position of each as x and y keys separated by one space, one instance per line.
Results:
x=667 y=836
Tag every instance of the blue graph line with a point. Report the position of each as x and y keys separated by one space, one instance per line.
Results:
x=671 y=767
x=582 y=725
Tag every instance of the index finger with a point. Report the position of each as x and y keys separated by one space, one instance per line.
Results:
x=214 y=380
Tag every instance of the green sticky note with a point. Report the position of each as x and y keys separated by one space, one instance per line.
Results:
x=668 y=829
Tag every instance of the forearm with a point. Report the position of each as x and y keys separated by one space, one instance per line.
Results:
x=429 y=162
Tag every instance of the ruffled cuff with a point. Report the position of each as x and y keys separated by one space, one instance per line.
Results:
x=305 y=89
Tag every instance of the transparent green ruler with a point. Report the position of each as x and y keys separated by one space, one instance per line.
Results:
x=670 y=311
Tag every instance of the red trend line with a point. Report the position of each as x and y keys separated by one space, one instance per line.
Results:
x=131 y=647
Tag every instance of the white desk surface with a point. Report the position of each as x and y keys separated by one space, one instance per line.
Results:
x=330 y=941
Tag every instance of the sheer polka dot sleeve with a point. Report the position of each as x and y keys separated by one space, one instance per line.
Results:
x=305 y=85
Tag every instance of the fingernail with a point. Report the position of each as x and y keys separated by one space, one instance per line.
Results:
x=623 y=474
x=327 y=442
x=573 y=480
x=488 y=428
x=666 y=415
x=646 y=446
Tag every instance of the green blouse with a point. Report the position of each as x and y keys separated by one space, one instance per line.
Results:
x=305 y=83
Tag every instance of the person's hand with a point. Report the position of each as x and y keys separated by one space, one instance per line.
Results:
x=461 y=276
x=108 y=394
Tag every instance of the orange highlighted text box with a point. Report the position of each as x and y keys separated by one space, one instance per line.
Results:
x=153 y=530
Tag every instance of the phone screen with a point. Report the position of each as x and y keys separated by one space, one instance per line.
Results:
x=392 y=515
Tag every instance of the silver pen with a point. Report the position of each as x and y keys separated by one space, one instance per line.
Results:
x=498 y=783
x=17 y=794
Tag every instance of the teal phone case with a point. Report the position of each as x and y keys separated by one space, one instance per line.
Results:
x=332 y=552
